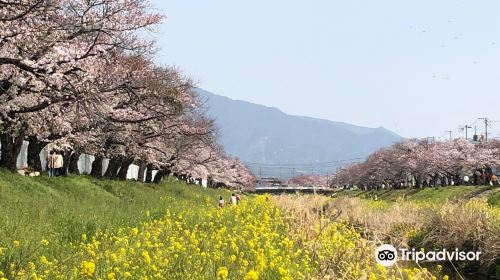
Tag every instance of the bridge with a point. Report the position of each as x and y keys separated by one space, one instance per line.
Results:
x=294 y=189
x=277 y=186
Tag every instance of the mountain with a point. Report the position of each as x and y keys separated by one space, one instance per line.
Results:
x=260 y=134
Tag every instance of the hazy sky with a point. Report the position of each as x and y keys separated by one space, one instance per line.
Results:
x=416 y=67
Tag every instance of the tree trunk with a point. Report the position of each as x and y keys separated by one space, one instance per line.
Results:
x=159 y=176
x=11 y=147
x=112 y=169
x=73 y=163
x=122 y=174
x=34 y=149
x=96 y=167
x=142 y=170
x=418 y=182
x=149 y=174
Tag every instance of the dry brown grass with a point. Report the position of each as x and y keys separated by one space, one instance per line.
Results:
x=466 y=225
x=337 y=246
x=304 y=212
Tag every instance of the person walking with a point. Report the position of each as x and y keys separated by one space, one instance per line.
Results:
x=58 y=164
x=238 y=198
x=234 y=200
x=50 y=163
x=221 y=201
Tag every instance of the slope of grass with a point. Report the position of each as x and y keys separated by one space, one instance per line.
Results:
x=438 y=195
x=81 y=228
x=61 y=209
x=494 y=198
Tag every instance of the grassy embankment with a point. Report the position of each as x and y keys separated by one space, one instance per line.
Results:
x=64 y=208
x=464 y=217
x=438 y=195
x=81 y=228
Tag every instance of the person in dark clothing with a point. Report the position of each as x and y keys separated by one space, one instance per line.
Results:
x=221 y=201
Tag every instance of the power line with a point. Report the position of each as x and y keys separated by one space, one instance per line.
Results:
x=306 y=164
x=287 y=171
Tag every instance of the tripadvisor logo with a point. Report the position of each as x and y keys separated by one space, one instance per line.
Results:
x=387 y=255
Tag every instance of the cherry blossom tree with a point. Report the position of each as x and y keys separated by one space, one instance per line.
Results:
x=309 y=180
x=75 y=75
x=420 y=163
x=49 y=49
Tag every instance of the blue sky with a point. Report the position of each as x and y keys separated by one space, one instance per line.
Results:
x=415 y=67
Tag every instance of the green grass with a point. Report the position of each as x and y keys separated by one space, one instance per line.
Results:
x=61 y=209
x=438 y=195
x=494 y=199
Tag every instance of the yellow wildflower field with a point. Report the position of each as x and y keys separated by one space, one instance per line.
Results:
x=252 y=240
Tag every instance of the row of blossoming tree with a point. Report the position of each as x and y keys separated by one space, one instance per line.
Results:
x=79 y=75
x=418 y=163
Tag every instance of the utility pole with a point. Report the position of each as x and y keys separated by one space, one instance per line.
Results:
x=450 y=132
x=466 y=130
x=337 y=177
x=429 y=142
x=486 y=124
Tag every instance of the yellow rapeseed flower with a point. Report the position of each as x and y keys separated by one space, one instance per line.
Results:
x=87 y=268
x=282 y=271
x=44 y=261
x=31 y=266
x=252 y=275
x=146 y=257
x=222 y=273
